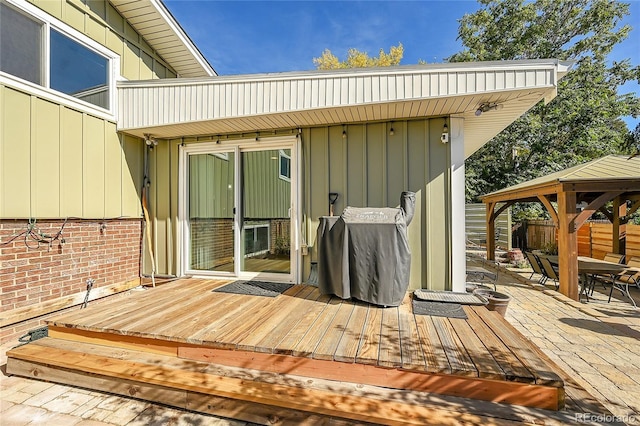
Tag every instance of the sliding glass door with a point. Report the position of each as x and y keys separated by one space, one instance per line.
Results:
x=238 y=210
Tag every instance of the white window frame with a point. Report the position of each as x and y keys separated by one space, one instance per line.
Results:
x=281 y=155
x=254 y=227
x=44 y=91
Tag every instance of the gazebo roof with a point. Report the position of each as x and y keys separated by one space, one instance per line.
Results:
x=613 y=172
x=614 y=178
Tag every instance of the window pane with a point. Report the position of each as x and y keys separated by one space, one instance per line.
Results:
x=79 y=71
x=20 y=45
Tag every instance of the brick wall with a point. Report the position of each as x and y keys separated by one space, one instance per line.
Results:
x=32 y=272
x=211 y=243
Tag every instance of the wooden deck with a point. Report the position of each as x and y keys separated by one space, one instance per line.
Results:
x=299 y=334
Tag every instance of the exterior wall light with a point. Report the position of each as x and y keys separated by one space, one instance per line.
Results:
x=488 y=106
x=444 y=137
x=150 y=140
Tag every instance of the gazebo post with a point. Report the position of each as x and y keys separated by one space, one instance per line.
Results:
x=567 y=244
x=619 y=210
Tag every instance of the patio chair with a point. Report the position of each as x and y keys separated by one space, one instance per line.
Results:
x=535 y=265
x=550 y=271
x=622 y=281
x=604 y=279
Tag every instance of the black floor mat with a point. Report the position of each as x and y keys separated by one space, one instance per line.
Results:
x=438 y=309
x=254 y=288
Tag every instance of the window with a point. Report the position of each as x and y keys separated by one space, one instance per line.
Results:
x=285 y=165
x=20 y=45
x=78 y=71
x=45 y=53
x=256 y=239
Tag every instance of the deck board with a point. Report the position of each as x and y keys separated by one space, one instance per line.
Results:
x=275 y=326
x=508 y=362
x=328 y=344
x=454 y=349
x=435 y=357
x=411 y=350
x=312 y=308
x=388 y=353
x=307 y=345
x=350 y=340
x=370 y=341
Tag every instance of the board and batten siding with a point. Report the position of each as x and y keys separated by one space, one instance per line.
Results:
x=371 y=168
x=57 y=162
x=101 y=22
x=367 y=168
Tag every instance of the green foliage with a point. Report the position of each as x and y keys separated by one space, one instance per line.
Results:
x=358 y=59
x=550 y=248
x=584 y=121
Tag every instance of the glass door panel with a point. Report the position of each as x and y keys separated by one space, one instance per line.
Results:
x=266 y=211
x=211 y=198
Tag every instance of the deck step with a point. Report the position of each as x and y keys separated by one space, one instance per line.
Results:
x=245 y=394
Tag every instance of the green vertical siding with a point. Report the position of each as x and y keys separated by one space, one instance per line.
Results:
x=58 y=162
x=367 y=168
x=15 y=145
x=370 y=168
x=266 y=195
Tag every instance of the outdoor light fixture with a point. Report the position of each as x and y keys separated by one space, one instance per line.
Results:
x=391 y=131
x=444 y=137
x=344 y=132
x=150 y=140
x=257 y=136
x=488 y=106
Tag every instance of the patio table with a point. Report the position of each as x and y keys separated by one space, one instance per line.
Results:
x=591 y=266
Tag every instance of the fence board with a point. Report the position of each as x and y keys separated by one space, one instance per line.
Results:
x=594 y=239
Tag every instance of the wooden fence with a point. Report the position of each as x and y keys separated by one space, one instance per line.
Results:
x=594 y=239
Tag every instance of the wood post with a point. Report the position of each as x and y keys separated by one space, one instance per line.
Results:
x=619 y=211
x=568 y=244
x=491 y=232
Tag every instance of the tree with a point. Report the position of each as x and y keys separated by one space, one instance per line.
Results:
x=584 y=121
x=358 y=59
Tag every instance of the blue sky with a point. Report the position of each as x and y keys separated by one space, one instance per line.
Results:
x=246 y=37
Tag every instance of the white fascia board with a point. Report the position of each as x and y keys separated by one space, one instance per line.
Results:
x=182 y=35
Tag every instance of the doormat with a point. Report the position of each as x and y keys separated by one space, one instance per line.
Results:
x=254 y=288
x=450 y=297
x=438 y=309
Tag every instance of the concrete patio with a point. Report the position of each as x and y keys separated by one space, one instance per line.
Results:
x=595 y=343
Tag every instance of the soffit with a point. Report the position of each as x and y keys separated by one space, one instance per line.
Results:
x=153 y=21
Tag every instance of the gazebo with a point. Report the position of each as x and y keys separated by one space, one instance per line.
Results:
x=614 y=178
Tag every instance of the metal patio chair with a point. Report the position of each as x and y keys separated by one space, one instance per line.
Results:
x=549 y=271
x=535 y=265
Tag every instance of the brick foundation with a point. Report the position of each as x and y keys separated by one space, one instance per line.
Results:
x=32 y=272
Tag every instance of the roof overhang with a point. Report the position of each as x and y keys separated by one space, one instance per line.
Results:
x=153 y=21
x=251 y=103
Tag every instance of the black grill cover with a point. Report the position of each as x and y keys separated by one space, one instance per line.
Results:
x=364 y=253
